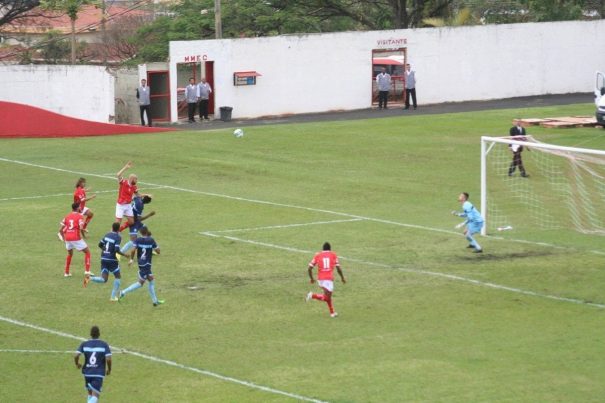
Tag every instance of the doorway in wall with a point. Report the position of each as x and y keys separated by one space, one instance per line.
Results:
x=197 y=70
x=393 y=60
x=159 y=83
x=184 y=71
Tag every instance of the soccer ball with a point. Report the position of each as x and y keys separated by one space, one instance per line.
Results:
x=238 y=133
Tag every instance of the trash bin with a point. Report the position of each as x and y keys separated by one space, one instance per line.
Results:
x=226 y=113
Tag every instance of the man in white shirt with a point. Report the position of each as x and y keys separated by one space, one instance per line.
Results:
x=204 y=91
x=383 y=82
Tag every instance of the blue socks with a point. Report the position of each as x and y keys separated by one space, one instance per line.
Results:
x=97 y=279
x=126 y=247
x=154 y=298
x=472 y=241
x=116 y=287
x=131 y=288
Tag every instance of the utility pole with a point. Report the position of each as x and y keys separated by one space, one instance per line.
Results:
x=104 y=32
x=218 y=24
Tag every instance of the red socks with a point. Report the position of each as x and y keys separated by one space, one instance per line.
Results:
x=67 y=263
x=124 y=226
x=87 y=261
x=328 y=300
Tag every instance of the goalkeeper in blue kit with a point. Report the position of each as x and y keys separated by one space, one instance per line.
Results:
x=474 y=221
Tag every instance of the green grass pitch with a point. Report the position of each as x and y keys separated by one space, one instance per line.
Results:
x=420 y=319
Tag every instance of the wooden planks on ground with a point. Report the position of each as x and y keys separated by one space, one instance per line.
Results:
x=561 y=122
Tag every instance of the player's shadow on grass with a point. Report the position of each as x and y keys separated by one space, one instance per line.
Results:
x=504 y=256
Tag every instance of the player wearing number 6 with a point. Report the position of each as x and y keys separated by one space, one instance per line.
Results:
x=97 y=356
x=474 y=221
x=326 y=261
x=146 y=246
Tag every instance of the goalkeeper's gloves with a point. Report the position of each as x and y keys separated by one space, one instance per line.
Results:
x=460 y=225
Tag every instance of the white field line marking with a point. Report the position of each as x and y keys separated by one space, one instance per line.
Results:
x=416 y=271
x=12 y=350
x=316 y=210
x=285 y=226
x=167 y=362
x=66 y=194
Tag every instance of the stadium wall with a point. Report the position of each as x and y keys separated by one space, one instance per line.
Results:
x=321 y=72
x=84 y=92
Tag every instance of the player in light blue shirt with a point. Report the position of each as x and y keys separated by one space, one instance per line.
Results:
x=97 y=363
x=474 y=221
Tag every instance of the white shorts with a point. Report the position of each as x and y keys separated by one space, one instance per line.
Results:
x=327 y=284
x=85 y=210
x=79 y=245
x=124 y=210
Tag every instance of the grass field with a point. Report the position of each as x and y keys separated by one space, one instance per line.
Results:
x=421 y=318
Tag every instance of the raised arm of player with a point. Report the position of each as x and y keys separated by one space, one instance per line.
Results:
x=121 y=171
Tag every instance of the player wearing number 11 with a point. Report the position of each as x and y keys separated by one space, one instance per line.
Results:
x=326 y=261
x=146 y=246
x=97 y=356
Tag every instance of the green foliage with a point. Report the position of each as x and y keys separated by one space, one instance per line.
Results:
x=55 y=49
x=69 y=7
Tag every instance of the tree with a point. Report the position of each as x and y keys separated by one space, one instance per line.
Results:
x=11 y=10
x=71 y=8
x=55 y=50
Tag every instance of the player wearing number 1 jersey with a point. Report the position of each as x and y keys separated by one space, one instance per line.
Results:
x=110 y=246
x=146 y=246
x=97 y=356
x=326 y=261
x=71 y=232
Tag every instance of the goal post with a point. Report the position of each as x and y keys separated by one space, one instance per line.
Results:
x=564 y=187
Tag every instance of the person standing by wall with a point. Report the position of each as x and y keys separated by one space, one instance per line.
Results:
x=204 y=91
x=144 y=98
x=191 y=95
x=410 y=87
x=383 y=81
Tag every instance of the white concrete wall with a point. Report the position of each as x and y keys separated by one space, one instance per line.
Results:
x=85 y=92
x=321 y=72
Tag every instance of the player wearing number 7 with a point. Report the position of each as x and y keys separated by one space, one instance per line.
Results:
x=326 y=261
x=97 y=356
x=146 y=246
x=474 y=221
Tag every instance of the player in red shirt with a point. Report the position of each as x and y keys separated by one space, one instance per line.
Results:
x=325 y=261
x=80 y=197
x=71 y=232
x=128 y=189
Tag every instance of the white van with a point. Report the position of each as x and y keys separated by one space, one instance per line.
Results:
x=599 y=98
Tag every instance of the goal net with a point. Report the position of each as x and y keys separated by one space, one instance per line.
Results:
x=564 y=188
